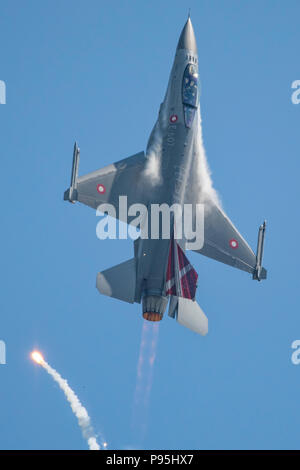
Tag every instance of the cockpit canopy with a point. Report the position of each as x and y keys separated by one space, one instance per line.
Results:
x=190 y=93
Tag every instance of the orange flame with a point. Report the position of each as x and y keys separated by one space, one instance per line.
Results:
x=37 y=357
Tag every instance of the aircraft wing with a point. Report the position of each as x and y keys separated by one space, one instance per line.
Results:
x=224 y=243
x=123 y=178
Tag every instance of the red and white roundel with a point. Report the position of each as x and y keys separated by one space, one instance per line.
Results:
x=101 y=188
x=173 y=118
x=234 y=243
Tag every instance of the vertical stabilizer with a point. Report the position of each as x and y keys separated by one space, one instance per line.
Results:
x=181 y=279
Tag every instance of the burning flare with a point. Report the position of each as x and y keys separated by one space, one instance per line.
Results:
x=78 y=409
x=37 y=357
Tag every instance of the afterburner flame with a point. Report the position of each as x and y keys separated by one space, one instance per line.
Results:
x=37 y=357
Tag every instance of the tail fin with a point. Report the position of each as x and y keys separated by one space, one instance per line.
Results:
x=119 y=281
x=189 y=314
x=181 y=278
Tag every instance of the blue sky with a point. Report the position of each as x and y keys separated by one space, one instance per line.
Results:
x=97 y=71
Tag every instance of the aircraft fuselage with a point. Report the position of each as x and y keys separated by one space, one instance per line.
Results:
x=176 y=126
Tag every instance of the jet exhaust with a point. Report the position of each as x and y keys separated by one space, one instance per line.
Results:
x=144 y=380
x=154 y=307
x=78 y=409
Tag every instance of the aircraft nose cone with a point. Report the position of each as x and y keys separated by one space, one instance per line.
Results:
x=187 y=38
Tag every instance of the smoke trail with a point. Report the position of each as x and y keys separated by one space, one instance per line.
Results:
x=77 y=408
x=144 y=379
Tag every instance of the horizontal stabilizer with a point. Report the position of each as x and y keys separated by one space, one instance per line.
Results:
x=191 y=316
x=119 y=281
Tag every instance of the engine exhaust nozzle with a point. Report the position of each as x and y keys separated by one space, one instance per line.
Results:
x=154 y=307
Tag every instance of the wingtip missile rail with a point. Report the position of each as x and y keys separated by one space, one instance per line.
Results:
x=260 y=272
x=71 y=193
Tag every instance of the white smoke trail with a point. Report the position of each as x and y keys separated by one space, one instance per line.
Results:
x=144 y=380
x=151 y=359
x=78 y=409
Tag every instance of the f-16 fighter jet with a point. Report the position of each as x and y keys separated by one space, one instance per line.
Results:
x=172 y=173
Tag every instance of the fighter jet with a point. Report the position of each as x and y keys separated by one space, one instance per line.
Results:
x=168 y=173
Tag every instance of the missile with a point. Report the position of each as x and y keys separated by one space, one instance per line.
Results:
x=71 y=193
x=260 y=272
